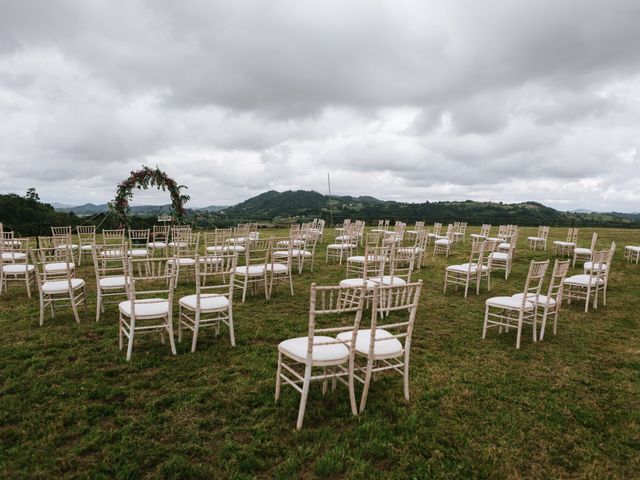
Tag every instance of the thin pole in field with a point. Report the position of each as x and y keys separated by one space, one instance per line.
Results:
x=330 y=204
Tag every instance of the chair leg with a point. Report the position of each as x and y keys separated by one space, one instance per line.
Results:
x=171 y=339
x=406 y=376
x=519 y=333
x=278 y=379
x=486 y=321
x=98 y=305
x=303 y=398
x=42 y=307
x=232 y=335
x=196 y=330
x=352 y=387
x=132 y=328
x=367 y=381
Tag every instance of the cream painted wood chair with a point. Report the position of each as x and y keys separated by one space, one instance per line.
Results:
x=386 y=346
x=184 y=250
x=632 y=253
x=419 y=248
x=460 y=232
x=64 y=240
x=417 y=228
x=540 y=240
x=344 y=245
x=159 y=239
x=279 y=267
x=149 y=305
x=470 y=272
x=565 y=248
x=253 y=274
x=550 y=303
x=589 y=286
x=435 y=234
x=444 y=245
x=139 y=243
x=320 y=350
x=15 y=266
x=56 y=280
x=212 y=304
x=86 y=241
x=584 y=254
x=111 y=276
x=485 y=230
x=508 y=312
x=502 y=260
x=361 y=268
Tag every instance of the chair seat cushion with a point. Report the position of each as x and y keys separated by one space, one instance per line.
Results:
x=499 y=256
x=210 y=260
x=86 y=247
x=388 y=280
x=61 y=286
x=355 y=282
x=340 y=246
x=112 y=253
x=583 y=280
x=72 y=246
x=509 y=303
x=582 y=251
x=416 y=250
x=477 y=235
x=588 y=266
x=276 y=268
x=157 y=244
x=215 y=248
x=17 y=268
x=187 y=262
x=115 y=281
x=252 y=270
x=178 y=244
x=138 y=252
x=390 y=347
x=209 y=302
x=536 y=239
x=442 y=241
x=332 y=352
x=294 y=252
x=12 y=256
x=564 y=244
x=360 y=258
x=147 y=308
x=464 y=268
x=542 y=299
x=234 y=248
x=633 y=248
x=58 y=267
x=504 y=246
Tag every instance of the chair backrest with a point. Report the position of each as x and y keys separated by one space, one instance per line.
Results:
x=139 y=238
x=258 y=252
x=399 y=304
x=281 y=244
x=372 y=239
x=572 y=235
x=594 y=239
x=556 y=284
x=490 y=246
x=419 y=226
x=86 y=234
x=476 y=256
x=186 y=245
x=218 y=238
x=215 y=274
x=401 y=263
x=462 y=228
x=108 y=261
x=150 y=278
x=437 y=227
x=533 y=283
x=160 y=233
x=485 y=229
x=61 y=231
x=373 y=265
x=42 y=257
x=543 y=232
x=15 y=250
x=115 y=237
x=342 y=306
x=420 y=243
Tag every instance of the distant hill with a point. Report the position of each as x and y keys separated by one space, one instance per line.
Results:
x=300 y=205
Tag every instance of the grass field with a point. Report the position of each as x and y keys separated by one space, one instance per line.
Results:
x=568 y=407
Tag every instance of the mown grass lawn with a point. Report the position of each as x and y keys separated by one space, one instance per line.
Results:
x=568 y=407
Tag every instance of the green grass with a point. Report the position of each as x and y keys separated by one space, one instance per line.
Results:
x=568 y=407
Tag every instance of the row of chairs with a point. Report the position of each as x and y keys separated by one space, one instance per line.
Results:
x=338 y=348
x=527 y=307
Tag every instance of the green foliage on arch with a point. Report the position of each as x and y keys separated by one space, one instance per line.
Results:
x=143 y=179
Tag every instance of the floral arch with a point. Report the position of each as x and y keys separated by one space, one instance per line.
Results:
x=143 y=179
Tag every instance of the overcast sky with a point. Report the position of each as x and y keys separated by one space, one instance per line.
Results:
x=426 y=100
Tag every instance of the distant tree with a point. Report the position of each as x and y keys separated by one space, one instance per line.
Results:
x=32 y=195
